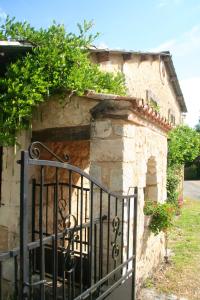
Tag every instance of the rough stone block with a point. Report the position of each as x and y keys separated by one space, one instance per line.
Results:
x=116 y=179
x=129 y=150
x=95 y=171
x=106 y=150
x=3 y=238
x=101 y=129
x=118 y=129
x=9 y=217
x=129 y=177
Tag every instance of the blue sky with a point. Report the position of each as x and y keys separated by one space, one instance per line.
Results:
x=127 y=24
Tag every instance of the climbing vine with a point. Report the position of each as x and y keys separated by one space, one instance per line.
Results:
x=58 y=62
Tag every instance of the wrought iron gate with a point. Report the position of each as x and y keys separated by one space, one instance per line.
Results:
x=79 y=242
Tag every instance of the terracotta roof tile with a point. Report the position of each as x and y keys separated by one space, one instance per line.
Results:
x=138 y=106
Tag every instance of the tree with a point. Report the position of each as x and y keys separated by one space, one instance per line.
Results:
x=184 y=145
x=183 y=148
x=58 y=63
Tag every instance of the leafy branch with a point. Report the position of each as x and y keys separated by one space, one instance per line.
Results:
x=58 y=62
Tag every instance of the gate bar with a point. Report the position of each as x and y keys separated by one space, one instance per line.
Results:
x=135 y=245
x=24 y=259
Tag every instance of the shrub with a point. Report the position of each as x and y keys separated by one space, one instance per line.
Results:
x=183 y=147
x=173 y=180
x=58 y=62
x=161 y=215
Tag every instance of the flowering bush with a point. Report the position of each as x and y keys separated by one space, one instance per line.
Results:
x=161 y=215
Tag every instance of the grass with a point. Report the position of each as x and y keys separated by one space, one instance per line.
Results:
x=181 y=275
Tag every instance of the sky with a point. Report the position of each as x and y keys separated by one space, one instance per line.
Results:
x=144 y=25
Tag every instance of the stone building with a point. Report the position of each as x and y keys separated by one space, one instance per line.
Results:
x=121 y=141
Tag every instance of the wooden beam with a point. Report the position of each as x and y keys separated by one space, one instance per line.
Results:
x=102 y=56
x=126 y=56
x=74 y=133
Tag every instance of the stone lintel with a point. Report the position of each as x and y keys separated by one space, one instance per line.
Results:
x=73 y=133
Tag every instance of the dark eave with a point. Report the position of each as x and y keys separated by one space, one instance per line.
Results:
x=10 y=51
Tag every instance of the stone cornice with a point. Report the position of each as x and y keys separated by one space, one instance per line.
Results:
x=127 y=108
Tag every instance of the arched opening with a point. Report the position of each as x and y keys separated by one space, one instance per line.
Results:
x=151 y=188
x=150 y=194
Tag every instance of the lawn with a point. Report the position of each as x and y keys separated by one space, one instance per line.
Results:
x=181 y=275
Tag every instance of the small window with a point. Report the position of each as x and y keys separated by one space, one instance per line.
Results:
x=171 y=117
x=152 y=100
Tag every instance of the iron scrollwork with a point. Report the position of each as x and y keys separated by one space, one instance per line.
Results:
x=115 y=245
x=71 y=237
x=35 y=152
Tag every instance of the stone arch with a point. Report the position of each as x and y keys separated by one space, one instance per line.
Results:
x=151 y=188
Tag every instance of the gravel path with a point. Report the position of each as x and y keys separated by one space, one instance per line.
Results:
x=192 y=189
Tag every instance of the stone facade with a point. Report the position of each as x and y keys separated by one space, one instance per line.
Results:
x=146 y=77
x=10 y=194
x=125 y=148
x=120 y=152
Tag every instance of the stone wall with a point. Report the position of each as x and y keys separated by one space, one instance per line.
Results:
x=62 y=112
x=119 y=155
x=10 y=210
x=142 y=75
x=56 y=113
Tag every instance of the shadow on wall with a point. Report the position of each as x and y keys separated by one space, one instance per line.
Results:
x=150 y=194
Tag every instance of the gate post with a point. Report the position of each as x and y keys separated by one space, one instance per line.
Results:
x=134 y=273
x=24 y=259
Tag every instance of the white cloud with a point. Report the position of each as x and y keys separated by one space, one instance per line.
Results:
x=163 y=3
x=185 y=50
x=3 y=14
x=186 y=44
x=190 y=88
x=102 y=45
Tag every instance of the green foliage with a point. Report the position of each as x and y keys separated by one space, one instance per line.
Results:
x=184 y=145
x=173 y=180
x=161 y=215
x=58 y=63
